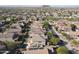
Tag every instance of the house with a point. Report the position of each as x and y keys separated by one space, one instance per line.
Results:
x=62 y=25
x=37 y=41
x=73 y=35
x=37 y=36
x=15 y=28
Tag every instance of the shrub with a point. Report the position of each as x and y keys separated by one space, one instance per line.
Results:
x=74 y=42
x=10 y=44
x=62 y=50
x=54 y=41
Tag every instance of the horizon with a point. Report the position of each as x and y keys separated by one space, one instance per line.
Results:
x=59 y=6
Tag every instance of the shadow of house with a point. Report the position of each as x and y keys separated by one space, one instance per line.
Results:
x=61 y=43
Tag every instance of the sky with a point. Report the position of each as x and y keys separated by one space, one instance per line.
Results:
x=39 y=2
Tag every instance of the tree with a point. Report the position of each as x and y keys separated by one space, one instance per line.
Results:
x=64 y=34
x=23 y=30
x=49 y=34
x=67 y=36
x=25 y=27
x=54 y=41
x=46 y=24
x=49 y=18
x=62 y=50
x=74 y=42
x=13 y=20
x=20 y=37
x=10 y=44
x=73 y=27
x=23 y=38
x=56 y=28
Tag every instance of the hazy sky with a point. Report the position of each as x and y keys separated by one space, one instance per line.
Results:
x=39 y=2
x=72 y=6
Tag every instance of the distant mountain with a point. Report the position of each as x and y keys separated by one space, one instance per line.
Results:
x=46 y=6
